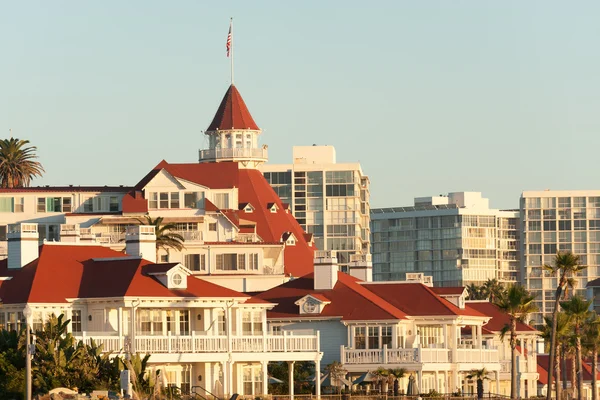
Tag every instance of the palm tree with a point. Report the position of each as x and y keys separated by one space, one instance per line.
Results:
x=577 y=308
x=165 y=239
x=563 y=328
x=336 y=372
x=592 y=344
x=566 y=264
x=480 y=375
x=517 y=302
x=492 y=288
x=17 y=163
x=475 y=292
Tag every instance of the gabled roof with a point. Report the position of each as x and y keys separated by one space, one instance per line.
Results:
x=232 y=113
x=404 y=295
x=449 y=291
x=350 y=301
x=499 y=319
x=65 y=272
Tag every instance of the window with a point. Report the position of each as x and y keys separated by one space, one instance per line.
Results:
x=76 y=321
x=252 y=380
x=212 y=226
x=226 y=262
x=114 y=204
x=163 y=200
x=252 y=323
x=190 y=200
x=195 y=262
x=222 y=323
x=185 y=381
x=222 y=201
x=360 y=337
x=184 y=322
x=174 y=199
x=153 y=200
x=386 y=336
x=2 y=320
x=41 y=204
x=88 y=205
x=177 y=279
x=38 y=321
x=253 y=262
x=241 y=262
x=431 y=336
x=19 y=204
x=3 y=231
x=6 y=204
x=164 y=258
x=373 y=337
x=11 y=321
x=150 y=322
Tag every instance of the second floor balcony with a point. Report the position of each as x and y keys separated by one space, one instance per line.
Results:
x=386 y=356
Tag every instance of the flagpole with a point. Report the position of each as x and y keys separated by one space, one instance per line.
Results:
x=231 y=27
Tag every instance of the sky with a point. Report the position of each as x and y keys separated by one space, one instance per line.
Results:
x=430 y=97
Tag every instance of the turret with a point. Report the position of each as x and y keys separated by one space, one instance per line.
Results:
x=233 y=134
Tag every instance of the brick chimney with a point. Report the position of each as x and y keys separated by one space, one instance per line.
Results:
x=23 y=244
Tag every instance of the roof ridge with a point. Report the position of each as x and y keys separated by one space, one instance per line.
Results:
x=353 y=285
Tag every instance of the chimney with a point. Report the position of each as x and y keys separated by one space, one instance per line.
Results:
x=23 y=244
x=361 y=267
x=326 y=269
x=140 y=241
x=70 y=233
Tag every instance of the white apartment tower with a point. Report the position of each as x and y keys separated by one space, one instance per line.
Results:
x=558 y=220
x=457 y=239
x=329 y=199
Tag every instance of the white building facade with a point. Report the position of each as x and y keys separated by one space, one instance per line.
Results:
x=330 y=200
x=558 y=220
x=457 y=239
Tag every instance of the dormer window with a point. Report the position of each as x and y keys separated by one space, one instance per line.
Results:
x=288 y=238
x=247 y=207
x=176 y=279
x=272 y=207
x=172 y=276
x=312 y=303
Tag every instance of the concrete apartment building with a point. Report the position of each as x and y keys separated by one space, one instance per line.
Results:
x=457 y=239
x=557 y=220
x=329 y=199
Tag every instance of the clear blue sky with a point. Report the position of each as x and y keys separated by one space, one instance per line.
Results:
x=430 y=96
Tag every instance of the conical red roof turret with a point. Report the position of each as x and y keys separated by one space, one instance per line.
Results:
x=232 y=113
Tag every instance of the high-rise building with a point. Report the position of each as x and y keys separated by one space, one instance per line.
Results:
x=554 y=221
x=457 y=239
x=329 y=199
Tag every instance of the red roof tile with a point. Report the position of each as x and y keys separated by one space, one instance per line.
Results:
x=75 y=271
x=403 y=295
x=232 y=113
x=499 y=319
x=542 y=369
x=349 y=300
x=448 y=290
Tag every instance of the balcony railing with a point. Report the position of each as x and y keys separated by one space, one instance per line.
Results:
x=233 y=154
x=178 y=344
x=402 y=356
x=189 y=236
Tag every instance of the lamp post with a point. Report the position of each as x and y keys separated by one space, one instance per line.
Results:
x=28 y=313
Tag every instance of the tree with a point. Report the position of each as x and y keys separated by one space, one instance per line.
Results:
x=566 y=264
x=480 y=375
x=563 y=329
x=592 y=343
x=165 y=239
x=336 y=372
x=17 y=163
x=577 y=308
x=475 y=292
x=517 y=302
x=492 y=289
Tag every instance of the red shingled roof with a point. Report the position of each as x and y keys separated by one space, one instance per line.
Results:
x=349 y=300
x=403 y=296
x=232 y=113
x=449 y=291
x=542 y=369
x=499 y=319
x=76 y=271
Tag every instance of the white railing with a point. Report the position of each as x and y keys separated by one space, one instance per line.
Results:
x=362 y=356
x=207 y=344
x=476 y=356
x=213 y=154
x=434 y=355
x=402 y=355
x=189 y=236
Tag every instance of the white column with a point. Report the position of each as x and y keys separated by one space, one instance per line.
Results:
x=479 y=337
x=224 y=371
x=265 y=377
x=120 y=325
x=420 y=380
x=497 y=382
x=291 y=379
x=437 y=382
x=318 y=379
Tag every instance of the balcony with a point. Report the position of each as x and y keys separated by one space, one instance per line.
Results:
x=408 y=356
x=199 y=344
x=233 y=154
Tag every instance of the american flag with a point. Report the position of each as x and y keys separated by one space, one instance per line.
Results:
x=229 y=40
